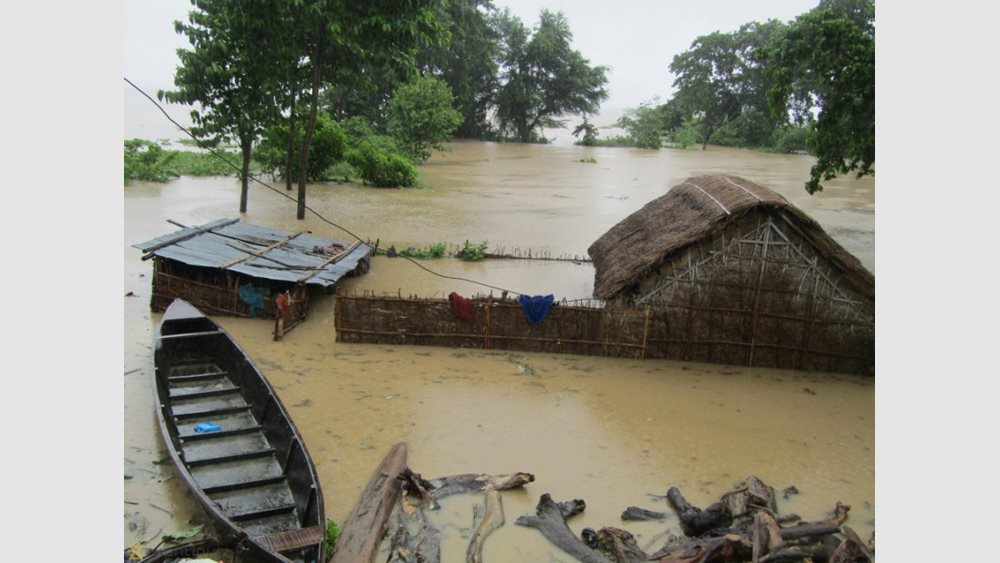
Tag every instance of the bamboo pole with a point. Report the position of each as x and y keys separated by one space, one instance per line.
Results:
x=250 y=255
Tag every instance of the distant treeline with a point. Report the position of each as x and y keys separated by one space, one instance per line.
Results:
x=312 y=89
x=803 y=86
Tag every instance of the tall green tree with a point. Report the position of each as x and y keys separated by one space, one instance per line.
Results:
x=644 y=126
x=230 y=73
x=824 y=74
x=722 y=81
x=542 y=77
x=345 y=35
x=421 y=117
x=468 y=62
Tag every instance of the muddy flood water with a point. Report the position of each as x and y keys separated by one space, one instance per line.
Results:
x=612 y=432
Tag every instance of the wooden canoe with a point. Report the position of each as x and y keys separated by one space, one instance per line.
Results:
x=234 y=443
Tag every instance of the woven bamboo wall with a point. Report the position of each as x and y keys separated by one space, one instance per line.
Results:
x=495 y=324
x=216 y=292
x=703 y=330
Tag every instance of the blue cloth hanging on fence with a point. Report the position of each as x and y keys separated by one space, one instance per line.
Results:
x=536 y=307
x=253 y=297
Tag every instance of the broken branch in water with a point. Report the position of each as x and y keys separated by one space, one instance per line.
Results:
x=549 y=520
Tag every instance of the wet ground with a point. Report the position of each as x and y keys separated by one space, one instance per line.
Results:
x=609 y=431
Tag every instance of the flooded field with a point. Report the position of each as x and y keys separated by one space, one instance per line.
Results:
x=609 y=431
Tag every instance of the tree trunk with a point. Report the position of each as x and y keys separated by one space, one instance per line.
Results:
x=291 y=143
x=317 y=63
x=245 y=145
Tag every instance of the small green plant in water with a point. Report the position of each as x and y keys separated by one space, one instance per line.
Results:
x=432 y=252
x=332 y=533
x=589 y=160
x=473 y=253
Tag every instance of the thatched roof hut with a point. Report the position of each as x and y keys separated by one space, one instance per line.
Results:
x=742 y=277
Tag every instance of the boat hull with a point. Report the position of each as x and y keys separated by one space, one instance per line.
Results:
x=234 y=443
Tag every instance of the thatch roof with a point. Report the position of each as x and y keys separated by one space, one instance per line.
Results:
x=697 y=209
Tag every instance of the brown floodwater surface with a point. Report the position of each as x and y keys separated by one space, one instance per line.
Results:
x=613 y=432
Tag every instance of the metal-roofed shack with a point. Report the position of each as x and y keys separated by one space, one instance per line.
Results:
x=229 y=267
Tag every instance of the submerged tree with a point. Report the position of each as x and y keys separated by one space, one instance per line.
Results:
x=421 y=117
x=467 y=62
x=344 y=35
x=721 y=80
x=231 y=73
x=824 y=73
x=543 y=77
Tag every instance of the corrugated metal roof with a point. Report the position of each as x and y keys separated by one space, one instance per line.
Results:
x=260 y=252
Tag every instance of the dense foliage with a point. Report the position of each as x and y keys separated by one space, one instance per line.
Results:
x=421 y=116
x=149 y=161
x=289 y=82
x=328 y=148
x=542 y=78
x=805 y=86
x=826 y=64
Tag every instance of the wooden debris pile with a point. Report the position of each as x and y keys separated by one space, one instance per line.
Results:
x=743 y=526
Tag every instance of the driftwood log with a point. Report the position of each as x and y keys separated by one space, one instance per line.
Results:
x=416 y=540
x=486 y=518
x=549 y=520
x=476 y=483
x=620 y=545
x=636 y=513
x=756 y=534
x=365 y=525
x=695 y=521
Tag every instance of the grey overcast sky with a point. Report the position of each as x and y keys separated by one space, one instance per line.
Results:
x=636 y=38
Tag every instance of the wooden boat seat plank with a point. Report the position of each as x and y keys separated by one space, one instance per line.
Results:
x=205 y=405
x=228 y=421
x=184 y=388
x=185 y=393
x=226 y=446
x=219 y=434
x=252 y=501
x=245 y=485
x=193 y=365
x=204 y=376
x=212 y=460
x=235 y=472
x=271 y=524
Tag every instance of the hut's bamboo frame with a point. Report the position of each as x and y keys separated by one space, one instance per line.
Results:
x=217 y=292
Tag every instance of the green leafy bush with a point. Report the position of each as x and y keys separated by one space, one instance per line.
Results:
x=473 y=253
x=432 y=252
x=379 y=164
x=332 y=534
x=328 y=146
x=146 y=160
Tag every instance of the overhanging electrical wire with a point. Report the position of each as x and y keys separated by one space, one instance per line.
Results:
x=313 y=211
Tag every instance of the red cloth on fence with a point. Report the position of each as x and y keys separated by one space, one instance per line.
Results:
x=283 y=301
x=461 y=306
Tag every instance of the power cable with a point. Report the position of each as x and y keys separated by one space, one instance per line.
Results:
x=313 y=211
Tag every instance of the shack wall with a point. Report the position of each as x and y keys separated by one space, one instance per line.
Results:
x=217 y=292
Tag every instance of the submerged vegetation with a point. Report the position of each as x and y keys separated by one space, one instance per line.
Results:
x=325 y=90
x=807 y=86
x=149 y=161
